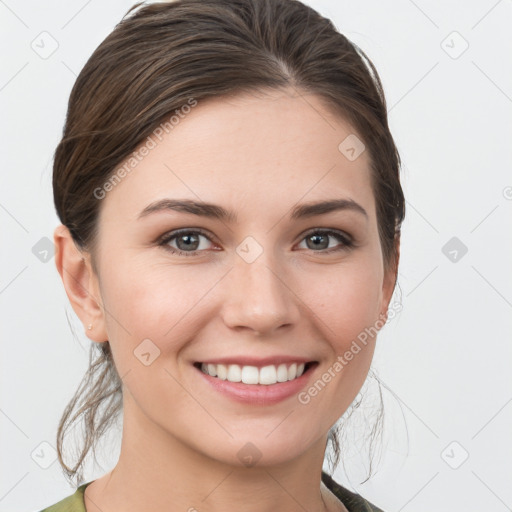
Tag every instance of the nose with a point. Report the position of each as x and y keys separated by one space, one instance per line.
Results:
x=259 y=299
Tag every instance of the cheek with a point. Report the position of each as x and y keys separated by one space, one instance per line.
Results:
x=345 y=304
x=149 y=319
x=346 y=300
x=156 y=302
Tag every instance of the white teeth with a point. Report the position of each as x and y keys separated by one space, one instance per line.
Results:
x=212 y=370
x=268 y=375
x=282 y=373
x=234 y=373
x=252 y=375
x=222 y=371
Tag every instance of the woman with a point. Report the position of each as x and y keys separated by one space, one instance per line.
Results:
x=231 y=206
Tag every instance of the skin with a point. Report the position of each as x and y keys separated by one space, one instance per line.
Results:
x=258 y=155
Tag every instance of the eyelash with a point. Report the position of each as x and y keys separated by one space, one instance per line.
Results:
x=347 y=242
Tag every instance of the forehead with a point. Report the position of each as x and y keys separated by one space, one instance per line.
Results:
x=253 y=151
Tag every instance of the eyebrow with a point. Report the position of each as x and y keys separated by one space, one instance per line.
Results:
x=214 y=211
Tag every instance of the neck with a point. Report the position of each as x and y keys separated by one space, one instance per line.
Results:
x=157 y=471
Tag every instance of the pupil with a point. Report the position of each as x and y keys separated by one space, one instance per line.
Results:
x=316 y=237
x=188 y=237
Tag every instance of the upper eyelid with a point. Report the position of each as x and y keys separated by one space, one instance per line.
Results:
x=170 y=235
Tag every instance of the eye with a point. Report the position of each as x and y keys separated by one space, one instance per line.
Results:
x=187 y=241
x=319 y=239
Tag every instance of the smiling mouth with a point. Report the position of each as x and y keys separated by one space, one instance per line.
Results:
x=267 y=375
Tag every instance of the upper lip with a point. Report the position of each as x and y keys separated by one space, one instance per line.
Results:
x=257 y=361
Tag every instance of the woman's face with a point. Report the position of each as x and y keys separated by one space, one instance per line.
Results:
x=263 y=284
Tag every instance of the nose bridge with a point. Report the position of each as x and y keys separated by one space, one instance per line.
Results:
x=258 y=298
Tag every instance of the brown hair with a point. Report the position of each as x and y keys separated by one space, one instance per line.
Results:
x=153 y=62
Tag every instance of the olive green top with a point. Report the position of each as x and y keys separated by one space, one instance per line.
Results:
x=353 y=502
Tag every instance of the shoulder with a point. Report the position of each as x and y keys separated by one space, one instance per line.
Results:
x=353 y=502
x=72 y=503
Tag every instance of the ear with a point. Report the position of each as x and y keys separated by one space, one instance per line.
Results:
x=81 y=283
x=389 y=282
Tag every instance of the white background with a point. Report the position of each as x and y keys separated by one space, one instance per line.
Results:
x=445 y=360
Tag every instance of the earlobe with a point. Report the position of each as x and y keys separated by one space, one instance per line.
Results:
x=80 y=283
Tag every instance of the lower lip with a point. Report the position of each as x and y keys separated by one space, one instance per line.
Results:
x=258 y=393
